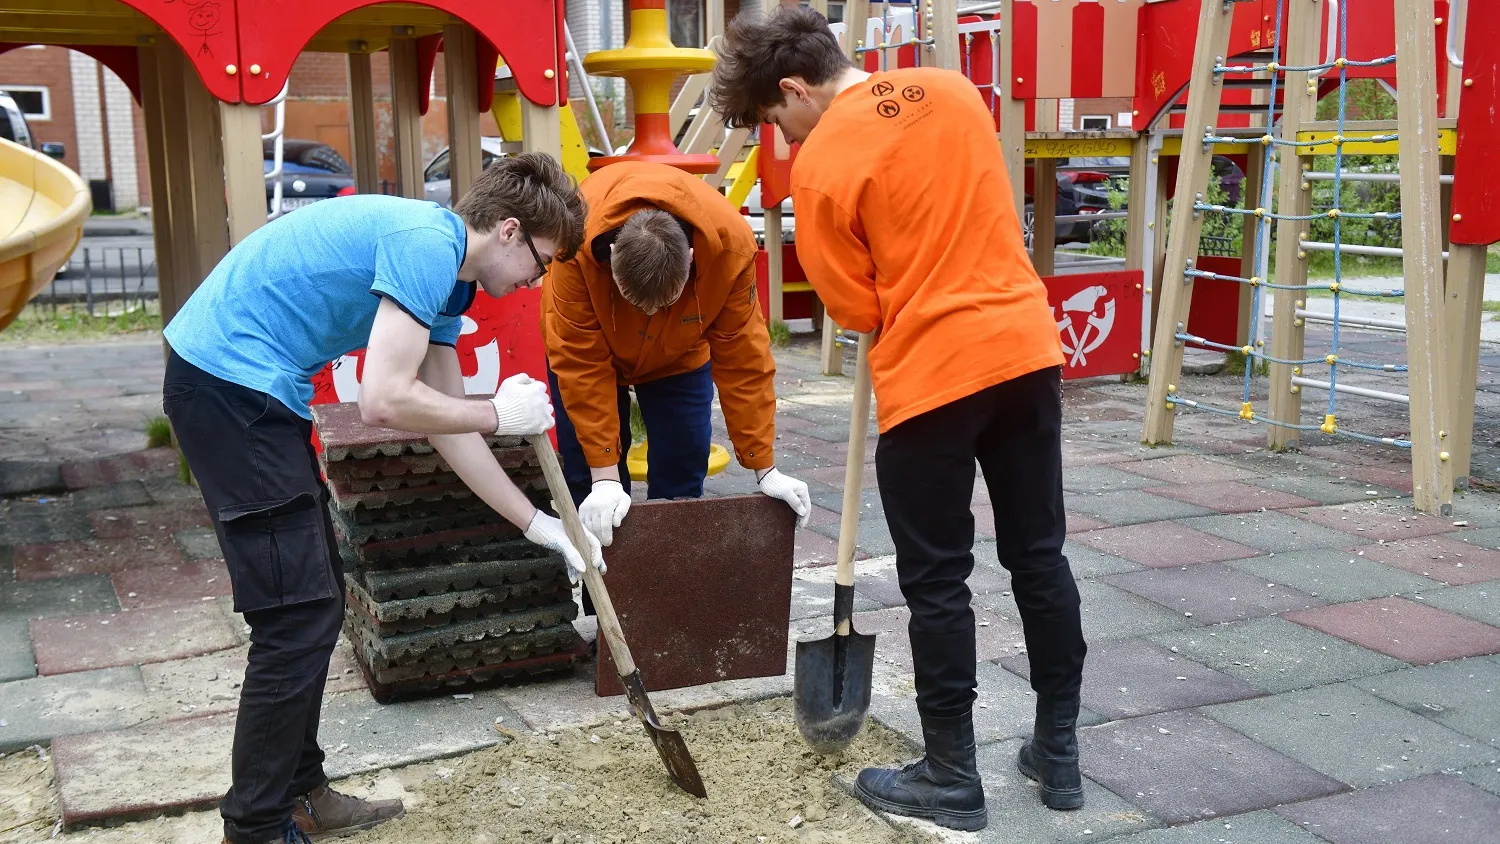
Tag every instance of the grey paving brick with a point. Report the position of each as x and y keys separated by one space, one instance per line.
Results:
x=51 y=520
x=1133 y=507
x=25 y=477
x=1262 y=827
x=88 y=593
x=39 y=709
x=1089 y=564
x=374 y=736
x=1483 y=537
x=1110 y=613
x=1433 y=808
x=1213 y=592
x=1335 y=575
x=1327 y=490
x=874 y=536
x=883 y=586
x=1463 y=695
x=1486 y=776
x=1479 y=601
x=1091 y=479
x=815 y=599
x=1016 y=812
x=1272 y=531
x=199 y=543
x=122 y=494
x=1182 y=766
x=1277 y=655
x=172 y=491
x=832 y=498
x=1350 y=735
x=17 y=662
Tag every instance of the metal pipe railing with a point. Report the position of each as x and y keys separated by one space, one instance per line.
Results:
x=1453 y=15
x=276 y=135
x=1363 y=322
x=588 y=93
x=1351 y=390
x=1357 y=249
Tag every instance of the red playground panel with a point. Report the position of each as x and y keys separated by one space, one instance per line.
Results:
x=1098 y=320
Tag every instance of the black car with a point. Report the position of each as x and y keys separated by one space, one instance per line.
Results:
x=310 y=171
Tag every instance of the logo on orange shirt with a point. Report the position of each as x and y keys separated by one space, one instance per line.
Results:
x=888 y=108
x=913 y=93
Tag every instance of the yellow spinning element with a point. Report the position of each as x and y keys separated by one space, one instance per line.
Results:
x=649 y=63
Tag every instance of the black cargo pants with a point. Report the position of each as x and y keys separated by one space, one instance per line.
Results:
x=254 y=461
x=925 y=467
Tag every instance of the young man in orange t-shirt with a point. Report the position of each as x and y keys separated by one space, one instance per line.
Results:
x=906 y=228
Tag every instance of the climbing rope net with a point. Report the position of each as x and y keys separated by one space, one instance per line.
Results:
x=1264 y=215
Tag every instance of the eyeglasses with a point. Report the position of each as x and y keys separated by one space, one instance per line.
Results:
x=541 y=266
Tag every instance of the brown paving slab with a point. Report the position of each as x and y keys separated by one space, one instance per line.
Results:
x=984 y=520
x=94 y=556
x=150 y=463
x=163 y=585
x=1438 y=557
x=1376 y=521
x=1230 y=496
x=84 y=642
x=1083 y=524
x=813 y=549
x=1213 y=592
x=1082 y=455
x=1397 y=479
x=1188 y=468
x=1161 y=544
x=703 y=590
x=1434 y=808
x=160 y=520
x=1403 y=629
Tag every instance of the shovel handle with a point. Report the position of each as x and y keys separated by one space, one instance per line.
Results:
x=609 y=623
x=854 y=471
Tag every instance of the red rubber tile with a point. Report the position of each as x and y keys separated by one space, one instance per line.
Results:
x=1163 y=544
x=86 y=642
x=158 y=521
x=163 y=585
x=1230 y=496
x=1083 y=524
x=813 y=549
x=1373 y=521
x=1440 y=558
x=102 y=556
x=1403 y=629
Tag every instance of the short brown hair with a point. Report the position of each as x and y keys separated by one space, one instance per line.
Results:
x=756 y=53
x=533 y=188
x=650 y=258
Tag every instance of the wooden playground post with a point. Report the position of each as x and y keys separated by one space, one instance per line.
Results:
x=171 y=69
x=1139 y=211
x=366 y=159
x=1465 y=312
x=1422 y=262
x=161 y=201
x=1175 y=291
x=406 y=117
x=208 y=156
x=1250 y=191
x=1044 y=215
x=1012 y=111
x=244 y=184
x=461 y=75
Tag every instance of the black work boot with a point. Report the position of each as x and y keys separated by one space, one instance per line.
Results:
x=1051 y=756
x=325 y=813
x=942 y=787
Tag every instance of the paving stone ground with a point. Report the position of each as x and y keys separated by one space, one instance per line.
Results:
x=1281 y=651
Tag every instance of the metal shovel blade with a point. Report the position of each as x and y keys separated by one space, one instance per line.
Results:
x=831 y=689
x=669 y=744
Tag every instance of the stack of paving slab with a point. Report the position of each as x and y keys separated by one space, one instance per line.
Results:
x=444 y=595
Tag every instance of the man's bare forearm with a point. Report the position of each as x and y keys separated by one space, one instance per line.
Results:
x=414 y=406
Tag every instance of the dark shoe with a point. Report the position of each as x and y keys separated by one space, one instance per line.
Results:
x=292 y=835
x=942 y=787
x=1051 y=756
x=325 y=813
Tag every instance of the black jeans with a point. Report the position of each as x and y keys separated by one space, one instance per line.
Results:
x=925 y=467
x=254 y=462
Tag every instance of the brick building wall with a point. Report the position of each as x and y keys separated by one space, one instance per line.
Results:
x=46 y=67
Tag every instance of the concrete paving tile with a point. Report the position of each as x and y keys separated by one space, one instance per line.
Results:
x=1162 y=544
x=84 y=642
x=132 y=493
x=1350 y=735
x=34 y=522
x=1133 y=506
x=16 y=659
x=1005 y=706
x=361 y=735
x=1083 y=524
x=1460 y=695
x=1130 y=678
x=158 y=519
x=1434 y=808
x=199 y=543
x=1327 y=490
x=1483 y=537
x=1016 y=812
x=1335 y=575
x=1374 y=521
x=1397 y=479
x=1089 y=564
x=163 y=585
x=1190 y=468
x=134 y=465
x=1271 y=531
x=1403 y=629
x=1110 y=613
x=1213 y=592
x=1182 y=766
x=1230 y=496
x=1486 y=776
x=94 y=556
x=89 y=593
x=26 y=477
x=1276 y=655
x=169 y=490
x=995 y=636
x=40 y=709
x=815 y=600
x=1261 y=827
x=1480 y=601
x=812 y=549
x=831 y=498
x=1440 y=558
x=881 y=585
x=1102 y=478
x=196 y=686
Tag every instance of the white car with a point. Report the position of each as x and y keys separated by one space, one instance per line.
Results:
x=437 y=186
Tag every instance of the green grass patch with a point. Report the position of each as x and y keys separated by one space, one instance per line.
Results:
x=1234 y=364
x=72 y=322
x=158 y=432
x=1492 y=307
x=781 y=335
x=184 y=474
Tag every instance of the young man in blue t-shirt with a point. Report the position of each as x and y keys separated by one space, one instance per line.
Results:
x=393 y=276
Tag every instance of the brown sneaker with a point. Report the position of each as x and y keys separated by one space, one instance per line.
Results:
x=325 y=813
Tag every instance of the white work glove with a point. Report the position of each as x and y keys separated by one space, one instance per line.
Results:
x=790 y=490
x=548 y=532
x=604 y=509
x=521 y=407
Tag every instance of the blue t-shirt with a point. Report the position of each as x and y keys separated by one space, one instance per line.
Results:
x=303 y=290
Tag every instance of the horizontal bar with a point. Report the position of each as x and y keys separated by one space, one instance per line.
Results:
x=1084 y=218
x=1357 y=249
x=1354 y=176
x=1366 y=322
x=1351 y=390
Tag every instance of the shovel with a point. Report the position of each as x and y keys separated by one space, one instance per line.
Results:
x=831 y=686
x=669 y=744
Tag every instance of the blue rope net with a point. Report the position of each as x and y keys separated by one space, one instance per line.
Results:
x=1264 y=215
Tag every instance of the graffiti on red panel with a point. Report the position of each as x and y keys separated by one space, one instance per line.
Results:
x=1098 y=318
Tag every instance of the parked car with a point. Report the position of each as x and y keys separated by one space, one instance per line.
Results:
x=310 y=171
x=14 y=128
x=437 y=185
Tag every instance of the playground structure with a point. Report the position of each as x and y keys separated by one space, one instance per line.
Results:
x=42 y=208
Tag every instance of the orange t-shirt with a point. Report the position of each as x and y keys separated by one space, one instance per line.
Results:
x=905 y=224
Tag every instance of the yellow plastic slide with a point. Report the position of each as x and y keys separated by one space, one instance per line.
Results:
x=42 y=208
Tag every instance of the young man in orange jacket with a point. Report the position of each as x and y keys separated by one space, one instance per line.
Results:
x=662 y=298
x=906 y=228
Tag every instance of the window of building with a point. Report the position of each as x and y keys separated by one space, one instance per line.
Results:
x=685 y=21
x=835 y=12
x=34 y=100
x=1094 y=122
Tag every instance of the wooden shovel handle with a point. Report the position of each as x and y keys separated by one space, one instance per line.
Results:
x=854 y=469
x=609 y=623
